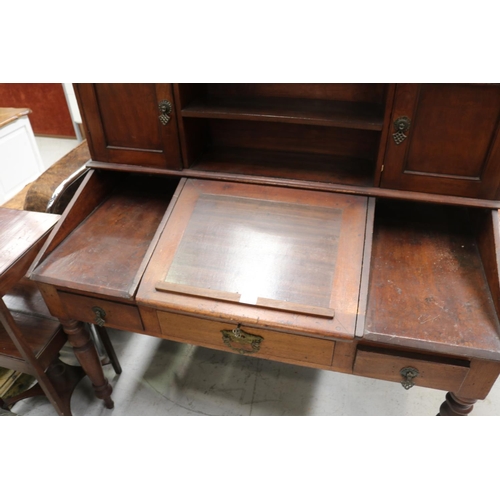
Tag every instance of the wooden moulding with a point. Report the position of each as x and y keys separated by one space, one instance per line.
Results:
x=487 y=228
x=304 y=184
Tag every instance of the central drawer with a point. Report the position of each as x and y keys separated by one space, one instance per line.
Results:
x=246 y=340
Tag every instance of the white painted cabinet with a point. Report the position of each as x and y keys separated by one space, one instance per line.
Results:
x=20 y=161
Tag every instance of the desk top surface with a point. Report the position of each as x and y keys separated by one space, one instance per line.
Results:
x=8 y=115
x=19 y=231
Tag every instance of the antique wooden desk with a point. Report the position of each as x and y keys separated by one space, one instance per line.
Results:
x=348 y=227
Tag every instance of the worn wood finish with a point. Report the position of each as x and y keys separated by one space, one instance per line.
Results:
x=425 y=262
x=30 y=340
x=486 y=225
x=86 y=354
x=334 y=169
x=453 y=145
x=118 y=315
x=455 y=406
x=128 y=220
x=344 y=92
x=234 y=228
x=286 y=160
x=274 y=345
x=21 y=234
x=122 y=125
x=94 y=188
x=355 y=115
x=275 y=179
x=444 y=374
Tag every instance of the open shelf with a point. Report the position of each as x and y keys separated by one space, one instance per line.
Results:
x=344 y=114
x=287 y=165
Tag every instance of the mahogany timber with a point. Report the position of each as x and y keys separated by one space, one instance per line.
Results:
x=303 y=184
x=126 y=219
x=453 y=144
x=425 y=261
x=212 y=219
x=121 y=123
x=275 y=345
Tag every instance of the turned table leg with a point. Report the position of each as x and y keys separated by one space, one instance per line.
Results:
x=455 y=406
x=86 y=354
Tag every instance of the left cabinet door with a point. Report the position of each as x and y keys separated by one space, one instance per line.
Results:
x=123 y=125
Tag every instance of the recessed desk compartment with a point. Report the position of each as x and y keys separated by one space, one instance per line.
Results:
x=99 y=261
x=287 y=263
x=429 y=261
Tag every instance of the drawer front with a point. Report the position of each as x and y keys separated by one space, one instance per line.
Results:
x=446 y=375
x=116 y=315
x=253 y=341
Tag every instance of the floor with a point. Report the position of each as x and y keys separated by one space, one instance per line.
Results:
x=166 y=378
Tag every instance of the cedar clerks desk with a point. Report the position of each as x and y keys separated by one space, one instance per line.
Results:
x=347 y=227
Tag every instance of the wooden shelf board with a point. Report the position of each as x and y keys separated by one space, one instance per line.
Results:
x=38 y=333
x=357 y=115
x=291 y=165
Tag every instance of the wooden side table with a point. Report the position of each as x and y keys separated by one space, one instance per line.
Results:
x=30 y=339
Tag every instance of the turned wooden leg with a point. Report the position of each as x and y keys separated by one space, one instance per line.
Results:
x=455 y=406
x=86 y=354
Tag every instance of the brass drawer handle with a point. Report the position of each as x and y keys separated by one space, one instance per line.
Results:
x=408 y=375
x=401 y=125
x=248 y=342
x=100 y=314
x=165 y=108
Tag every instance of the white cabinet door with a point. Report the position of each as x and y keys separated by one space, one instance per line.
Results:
x=20 y=161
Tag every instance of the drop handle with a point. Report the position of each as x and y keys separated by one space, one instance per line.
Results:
x=240 y=341
x=165 y=108
x=100 y=314
x=409 y=374
x=401 y=126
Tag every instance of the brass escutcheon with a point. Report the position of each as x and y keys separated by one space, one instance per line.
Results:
x=408 y=373
x=244 y=339
x=165 y=108
x=100 y=314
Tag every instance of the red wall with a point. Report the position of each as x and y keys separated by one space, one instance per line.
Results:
x=50 y=114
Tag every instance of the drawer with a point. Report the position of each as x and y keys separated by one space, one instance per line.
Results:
x=253 y=341
x=117 y=315
x=435 y=373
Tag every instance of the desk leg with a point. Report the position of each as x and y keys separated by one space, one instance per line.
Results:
x=86 y=354
x=455 y=406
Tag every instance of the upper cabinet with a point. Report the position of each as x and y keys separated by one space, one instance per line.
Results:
x=445 y=139
x=130 y=123
x=431 y=142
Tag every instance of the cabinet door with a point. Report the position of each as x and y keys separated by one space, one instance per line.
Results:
x=452 y=145
x=122 y=122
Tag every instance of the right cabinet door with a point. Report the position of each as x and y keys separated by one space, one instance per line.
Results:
x=445 y=139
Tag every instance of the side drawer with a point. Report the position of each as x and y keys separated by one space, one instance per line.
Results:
x=267 y=344
x=117 y=315
x=439 y=373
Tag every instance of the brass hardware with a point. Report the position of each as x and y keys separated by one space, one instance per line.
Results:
x=401 y=125
x=408 y=375
x=238 y=336
x=165 y=108
x=100 y=314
